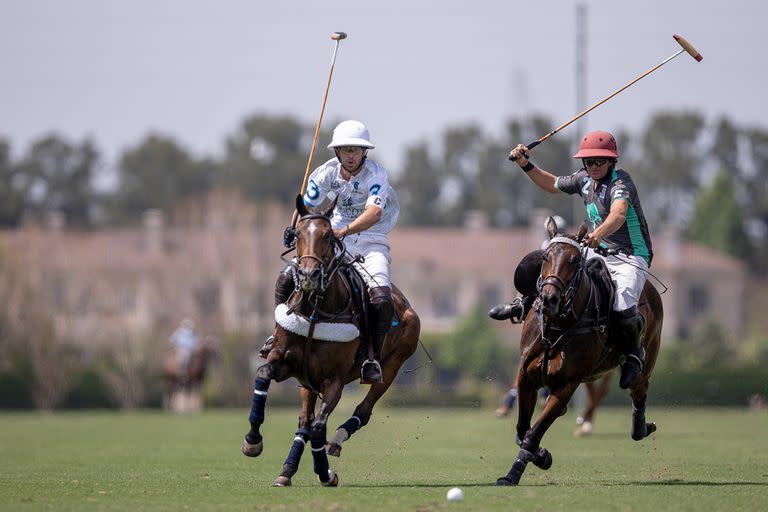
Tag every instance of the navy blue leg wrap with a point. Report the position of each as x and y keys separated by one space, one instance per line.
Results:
x=297 y=449
x=511 y=398
x=259 y=401
x=352 y=425
x=320 y=459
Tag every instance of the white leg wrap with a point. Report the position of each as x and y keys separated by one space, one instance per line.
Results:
x=340 y=436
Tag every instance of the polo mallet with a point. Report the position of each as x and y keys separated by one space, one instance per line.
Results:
x=687 y=47
x=336 y=36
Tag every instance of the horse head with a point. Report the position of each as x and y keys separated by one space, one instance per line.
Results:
x=316 y=247
x=561 y=270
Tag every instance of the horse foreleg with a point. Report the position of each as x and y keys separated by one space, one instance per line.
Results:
x=640 y=429
x=331 y=395
x=291 y=464
x=526 y=396
x=530 y=451
x=364 y=409
x=253 y=443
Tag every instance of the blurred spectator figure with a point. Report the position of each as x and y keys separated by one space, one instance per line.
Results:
x=757 y=402
x=184 y=342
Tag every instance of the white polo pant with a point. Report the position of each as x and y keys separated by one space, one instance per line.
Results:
x=376 y=267
x=629 y=279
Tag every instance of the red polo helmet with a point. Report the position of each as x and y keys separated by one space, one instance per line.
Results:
x=598 y=144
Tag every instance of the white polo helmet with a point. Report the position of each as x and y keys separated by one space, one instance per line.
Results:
x=351 y=133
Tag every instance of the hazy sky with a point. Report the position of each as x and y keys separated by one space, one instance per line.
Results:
x=113 y=70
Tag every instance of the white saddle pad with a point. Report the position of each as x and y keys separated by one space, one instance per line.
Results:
x=323 y=330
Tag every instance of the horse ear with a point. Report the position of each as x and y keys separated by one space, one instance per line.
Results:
x=333 y=197
x=582 y=232
x=300 y=206
x=551 y=228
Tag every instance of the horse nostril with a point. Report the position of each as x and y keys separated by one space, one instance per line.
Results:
x=315 y=274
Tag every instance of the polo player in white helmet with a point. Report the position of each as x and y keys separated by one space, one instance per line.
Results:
x=366 y=210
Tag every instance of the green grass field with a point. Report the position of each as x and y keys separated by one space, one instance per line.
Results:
x=715 y=459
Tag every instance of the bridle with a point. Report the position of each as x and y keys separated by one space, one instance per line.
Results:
x=568 y=290
x=335 y=253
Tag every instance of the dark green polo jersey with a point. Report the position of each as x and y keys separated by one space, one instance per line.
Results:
x=632 y=237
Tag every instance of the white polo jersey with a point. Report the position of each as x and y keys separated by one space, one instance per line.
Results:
x=370 y=186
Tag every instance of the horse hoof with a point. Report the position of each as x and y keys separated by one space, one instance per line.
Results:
x=543 y=459
x=505 y=481
x=584 y=430
x=640 y=434
x=502 y=411
x=333 y=479
x=282 y=481
x=334 y=450
x=252 y=450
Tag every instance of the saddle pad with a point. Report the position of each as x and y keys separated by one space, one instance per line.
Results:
x=323 y=330
x=606 y=288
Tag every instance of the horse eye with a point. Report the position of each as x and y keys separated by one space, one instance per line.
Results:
x=575 y=258
x=326 y=235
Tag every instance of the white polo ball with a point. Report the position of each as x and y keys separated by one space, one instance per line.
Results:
x=455 y=494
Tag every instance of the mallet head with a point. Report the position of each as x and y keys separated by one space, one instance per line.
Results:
x=338 y=36
x=688 y=47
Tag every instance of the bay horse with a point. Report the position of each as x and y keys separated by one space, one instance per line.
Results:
x=321 y=348
x=182 y=384
x=566 y=342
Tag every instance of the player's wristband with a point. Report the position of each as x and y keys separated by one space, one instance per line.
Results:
x=527 y=167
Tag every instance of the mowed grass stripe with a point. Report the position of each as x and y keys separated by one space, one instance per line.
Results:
x=403 y=460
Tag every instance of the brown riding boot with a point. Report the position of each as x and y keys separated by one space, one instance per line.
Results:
x=515 y=311
x=383 y=311
x=630 y=323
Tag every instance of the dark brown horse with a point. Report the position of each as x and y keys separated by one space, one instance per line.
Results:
x=564 y=344
x=323 y=308
x=183 y=382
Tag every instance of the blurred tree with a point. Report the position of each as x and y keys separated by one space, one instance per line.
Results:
x=460 y=165
x=474 y=348
x=11 y=195
x=718 y=220
x=58 y=176
x=267 y=157
x=668 y=165
x=756 y=187
x=418 y=188
x=155 y=174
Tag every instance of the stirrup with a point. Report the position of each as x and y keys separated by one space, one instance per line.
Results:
x=373 y=375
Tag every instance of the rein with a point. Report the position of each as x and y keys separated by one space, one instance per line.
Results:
x=570 y=292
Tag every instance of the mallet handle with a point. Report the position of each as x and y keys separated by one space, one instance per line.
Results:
x=687 y=47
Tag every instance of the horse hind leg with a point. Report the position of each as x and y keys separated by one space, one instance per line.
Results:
x=364 y=409
x=640 y=428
